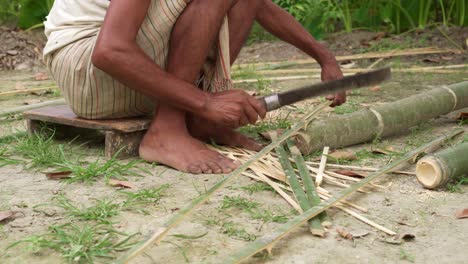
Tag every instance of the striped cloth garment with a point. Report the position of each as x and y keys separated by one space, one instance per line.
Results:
x=72 y=29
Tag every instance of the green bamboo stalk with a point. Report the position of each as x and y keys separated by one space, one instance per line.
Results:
x=268 y=241
x=161 y=233
x=315 y=225
x=309 y=185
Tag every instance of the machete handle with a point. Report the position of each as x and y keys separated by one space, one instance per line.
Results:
x=271 y=102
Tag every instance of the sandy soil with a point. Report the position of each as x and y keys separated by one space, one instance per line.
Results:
x=404 y=206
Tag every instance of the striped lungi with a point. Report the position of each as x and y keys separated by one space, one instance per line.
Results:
x=93 y=94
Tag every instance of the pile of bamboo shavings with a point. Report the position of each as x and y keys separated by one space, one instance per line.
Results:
x=268 y=170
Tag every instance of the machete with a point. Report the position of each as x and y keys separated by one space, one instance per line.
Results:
x=275 y=101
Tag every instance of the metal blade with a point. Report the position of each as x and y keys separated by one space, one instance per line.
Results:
x=359 y=80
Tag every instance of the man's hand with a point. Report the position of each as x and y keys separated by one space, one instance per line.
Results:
x=233 y=108
x=333 y=72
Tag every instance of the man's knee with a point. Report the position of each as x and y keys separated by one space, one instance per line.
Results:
x=221 y=6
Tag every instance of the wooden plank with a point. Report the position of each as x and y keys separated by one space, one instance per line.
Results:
x=62 y=114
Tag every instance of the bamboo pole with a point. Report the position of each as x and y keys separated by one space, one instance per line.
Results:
x=18 y=109
x=370 y=55
x=436 y=170
x=315 y=225
x=159 y=234
x=384 y=120
x=269 y=240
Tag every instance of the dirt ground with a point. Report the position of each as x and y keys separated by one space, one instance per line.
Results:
x=403 y=206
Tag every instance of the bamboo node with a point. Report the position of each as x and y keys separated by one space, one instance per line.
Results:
x=455 y=98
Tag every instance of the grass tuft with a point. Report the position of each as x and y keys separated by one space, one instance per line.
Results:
x=144 y=196
x=80 y=243
x=40 y=149
x=100 y=212
x=257 y=187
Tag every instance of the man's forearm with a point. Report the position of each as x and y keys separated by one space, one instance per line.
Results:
x=284 y=26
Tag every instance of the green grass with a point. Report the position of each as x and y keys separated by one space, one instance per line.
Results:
x=40 y=149
x=5 y=158
x=232 y=230
x=238 y=202
x=455 y=184
x=80 y=243
x=267 y=216
x=347 y=108
x=280 y=122
x=113 y=168
x=100 y=212
x=406 y=256
x=144 y=197
x=257 y=187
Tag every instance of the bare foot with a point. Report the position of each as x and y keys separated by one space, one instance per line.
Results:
x=177 y=149
x=205 y=131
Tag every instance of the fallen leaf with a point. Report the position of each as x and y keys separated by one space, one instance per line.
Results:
x=447 y=58
x=360 y=234
x=344 y=234
x=349 y=173
x=406 y=237
x=19 y=86
x=5 y=215
x=12 y=52
x=343 y=155
x=374 y=89
x=431 y=60
x=41 y=76
x=462 y=214
x=385 y=151
x=463 y=116
x=32 y=101
x=123 y=184
x=58 y=175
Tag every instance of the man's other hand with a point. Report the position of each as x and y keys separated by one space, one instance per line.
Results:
x=333 y=72
x=233 y=108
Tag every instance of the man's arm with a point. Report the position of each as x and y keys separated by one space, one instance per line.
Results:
x=281 y=24
x=117 y=53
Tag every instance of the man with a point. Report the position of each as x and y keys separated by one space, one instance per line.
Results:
x=128 y=58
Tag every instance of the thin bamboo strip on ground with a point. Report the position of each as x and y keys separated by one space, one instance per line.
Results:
x=315 y=225
x=357 y=168
x=158 y=235
x=32 y=90
x=19 y=109
x=321 y=169
x=268 y=241
x=370 y=55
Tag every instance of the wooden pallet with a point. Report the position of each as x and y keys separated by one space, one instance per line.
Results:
x=119 y=133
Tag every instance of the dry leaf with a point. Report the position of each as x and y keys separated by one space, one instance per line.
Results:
x=347 y=64
x=32 y=101
x=447 y=58
x=41 y=76
x=343 y=155
x=123 y=184
x=462 y=214
x=19 y=86
x=58 y=175
x=386 y=151
x=5 y=215
x=374 y=89
x=344 y=234
x=431 y=60
x=349 y=173
x=360 y=234
x=463 y=116
x=406 y=237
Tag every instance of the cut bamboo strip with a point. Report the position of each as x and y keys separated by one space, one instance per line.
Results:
x=197 y=202
x=309 y=186
x=358 y=168
x=315 y=225
x=268 y=241
x=370 y=55
x=18 y=109
x=323 y=163
x=367 y=221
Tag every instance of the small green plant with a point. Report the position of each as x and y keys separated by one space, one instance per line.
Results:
x=100 y=212
x=267 y=216
x=280 y=122
x=406 y=256
x=262 y=86
x=5 y=159
x=145 y=196
x=238 y=202
x=80 y=243
x=113 y=168
x=257 y=187
x=230 y=229
x=455 y=184
x=347 y=108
